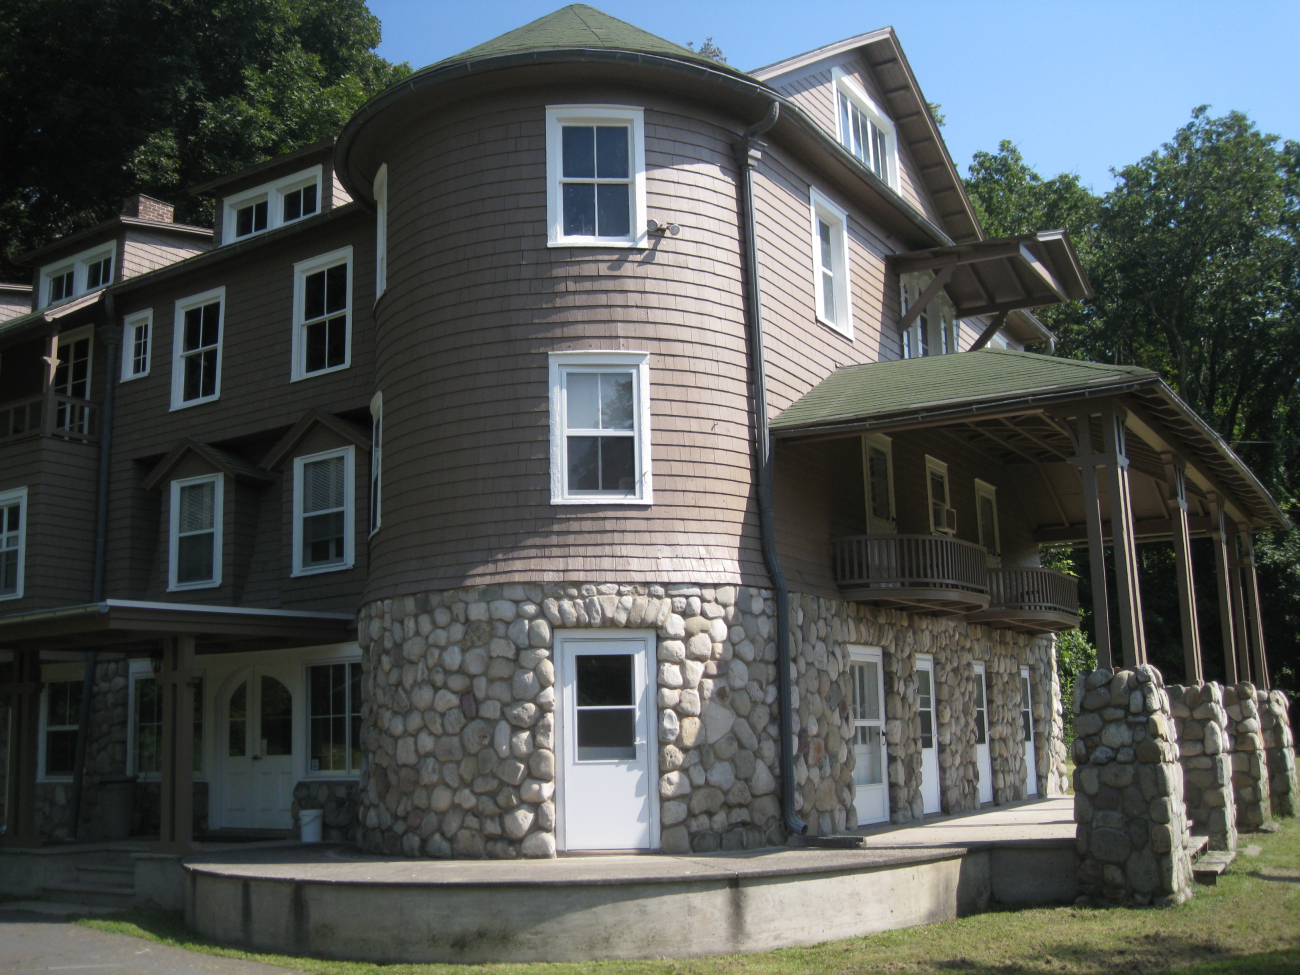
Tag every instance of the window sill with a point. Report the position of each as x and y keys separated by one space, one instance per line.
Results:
x=320 y=570
x=193 y=402
x=639 y=244
x=845 y=331
x=138 y=375
x=644 y=502
x=191 y=586
x=321 y=372
x=12 y=595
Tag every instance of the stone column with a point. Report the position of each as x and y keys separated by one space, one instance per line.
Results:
x=1249 y=761
x=1279 y=746
x=1132 y=831
x=1203 y=746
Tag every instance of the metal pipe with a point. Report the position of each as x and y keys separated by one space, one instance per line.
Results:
x=749 y=151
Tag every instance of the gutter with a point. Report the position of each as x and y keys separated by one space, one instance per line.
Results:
x=749 y=151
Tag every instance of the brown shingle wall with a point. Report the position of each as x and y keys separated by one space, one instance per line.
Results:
x=143 y=251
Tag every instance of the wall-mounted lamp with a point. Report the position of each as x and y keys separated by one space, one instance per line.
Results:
x=655 y=227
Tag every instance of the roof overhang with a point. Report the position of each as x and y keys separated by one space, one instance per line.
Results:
x=73 y=242
x=37 y=321
x=136 y=627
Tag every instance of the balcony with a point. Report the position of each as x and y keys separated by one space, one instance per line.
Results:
x=1031 y=600
x=49 y=414
x=921 y=573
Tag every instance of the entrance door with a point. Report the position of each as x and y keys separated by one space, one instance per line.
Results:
x=257 y=754
x=869 y=765
x=929 y=746
x=1027 y=719
x=606 y=745
x=983 y=760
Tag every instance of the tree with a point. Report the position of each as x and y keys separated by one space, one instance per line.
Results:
x=708 y=50
x=103 y=98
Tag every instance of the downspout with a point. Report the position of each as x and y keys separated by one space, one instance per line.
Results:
x=749 y=152
x=112 y=340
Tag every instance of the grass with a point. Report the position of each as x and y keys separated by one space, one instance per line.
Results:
x=1248 y=923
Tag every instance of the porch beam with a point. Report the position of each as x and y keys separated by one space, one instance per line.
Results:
x=24 y=736
x=976 y=255
x=1086 y=460
x=1223 y=576
x=928 y=295
x=1121 y=517
x=1176 y=503
x=1147 y=530
x=1255 y=621
x=177 y=682
x=1040 y=269
x=986 y=336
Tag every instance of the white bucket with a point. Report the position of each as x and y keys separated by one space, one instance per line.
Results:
x=309 y=823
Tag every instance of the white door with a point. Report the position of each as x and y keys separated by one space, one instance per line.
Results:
x=929 y=746
x=257 y=775
x=1027 y=719
x=983 y=760
x=869 y=750
x=608 y=788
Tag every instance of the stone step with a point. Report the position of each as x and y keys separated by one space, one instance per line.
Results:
x=96 y=895
x=1206 y=870
x=846 y=841
x=107 y=874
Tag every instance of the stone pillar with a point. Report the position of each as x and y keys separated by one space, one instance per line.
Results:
x=1279 y=746
x=1049 y=726
x=1132 y=831
x=1249 y=761
x=1203 y=746
x=1006 y=730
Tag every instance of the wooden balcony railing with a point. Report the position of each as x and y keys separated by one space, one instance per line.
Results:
x=1031 y=599
x=49 y=414
x=927 y=573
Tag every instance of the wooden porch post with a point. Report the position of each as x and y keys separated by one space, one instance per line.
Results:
x=1241 y=636
x=1177 y=505
x=1086 y=459
x=24 y=736
x=177 y=781
x=51 y=367
x=1255 y=622
x=1121 y=533
x=1223 y=575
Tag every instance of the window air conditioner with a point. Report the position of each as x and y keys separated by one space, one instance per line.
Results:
x=945 y=519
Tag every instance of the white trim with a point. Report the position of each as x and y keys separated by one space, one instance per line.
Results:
x=79 y=265
x=130 y=326
x=858 y=96
x=869 y=654
x=375 y=516
x=822 y=209
x=7 y=498
x=348 y=454
x=301 y=270
x=885 y=444
x=178 y=340
x=274 y=192
x=560 y=364
x=60 y=673
x=218 y=527
x=344 y=653
x=381 y=231
x=631 y=115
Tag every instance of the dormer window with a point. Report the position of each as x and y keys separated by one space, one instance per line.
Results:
x=60 y=286
x=251 y=218
x=865 y=130
x=298 y=202
x=99 y=272
x=87 y=271
x=272 y=205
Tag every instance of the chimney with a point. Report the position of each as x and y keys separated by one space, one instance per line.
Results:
x=147 y=208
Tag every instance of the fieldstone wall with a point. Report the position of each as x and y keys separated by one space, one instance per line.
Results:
x=1279 y=746
x=1205 y=753
x=1250 y=776
x=338 y=799
x=1132 y=830
x=1048 y=713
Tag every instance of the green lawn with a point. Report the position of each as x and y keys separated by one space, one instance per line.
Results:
x=1248 y=923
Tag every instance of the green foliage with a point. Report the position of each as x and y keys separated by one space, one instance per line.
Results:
x=939 y=118
x=103 y=98
x=1074 y=656
x=708 y=50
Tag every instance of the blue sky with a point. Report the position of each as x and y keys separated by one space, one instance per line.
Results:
x=1080 y=86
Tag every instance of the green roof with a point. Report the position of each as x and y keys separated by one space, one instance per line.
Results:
x=578 y=27
x=907 y=386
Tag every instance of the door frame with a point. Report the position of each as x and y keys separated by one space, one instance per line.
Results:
x=650 y=641
x=981 y=673
x=925 y=661
x=1031 y=752
x=861 y=653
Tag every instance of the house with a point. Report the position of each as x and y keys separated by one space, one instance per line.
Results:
x=594 y=447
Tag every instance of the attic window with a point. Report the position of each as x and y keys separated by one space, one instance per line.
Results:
x=272 y=205
x=864 y=130
x=76 y=275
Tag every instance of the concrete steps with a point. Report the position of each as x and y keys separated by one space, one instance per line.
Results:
x=96 y=885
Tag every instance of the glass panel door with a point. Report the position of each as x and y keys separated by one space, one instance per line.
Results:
x=869 y=750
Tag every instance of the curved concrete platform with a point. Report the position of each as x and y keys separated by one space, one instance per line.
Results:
x=335 y=902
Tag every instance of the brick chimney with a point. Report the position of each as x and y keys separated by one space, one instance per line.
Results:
x=147 y=208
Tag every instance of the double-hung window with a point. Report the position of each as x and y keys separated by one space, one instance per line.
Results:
x=595 y=157
x=334 y=717
x=600 y=428
x=196 y=359
x=137 y=341
x=322 y=334
x=376 y=460
x=864 y=129
x=196 y=508
x=323 y=502
x=830 y=249
x=13 y=542
x=943 y=519
x=62 y=718
x=878 y=475
x=381 y=231
x=986 y=510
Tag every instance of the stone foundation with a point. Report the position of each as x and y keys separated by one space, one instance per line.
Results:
x=1250 y=775
x=340 y=800
x=1050 y=753
x=1205 y=753
x=1279 y=746
x=1132 y=830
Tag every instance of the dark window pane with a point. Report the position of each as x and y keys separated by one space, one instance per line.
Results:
x=605 y=735
x=611 y=152
x=211 y=319
x=616 y=401
x=336 y=288
x=309 y=199
x=336 y=343
x=927 y=729
x=314 y=295
x=584 y=463
x=60 y=751
x=259 y=216
x=194 y=557
x=277 y=717
x=320 y=744
x=243 y=221
x=878 y=462
x=579 y=151
x=208 y=372
x=980 y=734
x=293 y=205
x=614 y=214
x=193 y=329
x=617 y=464
x=316 y=347
x=237 y=746
x=579 y=210
x=604 y=680
x=322 y=539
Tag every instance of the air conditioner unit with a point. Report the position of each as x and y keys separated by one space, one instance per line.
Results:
x=945 y=519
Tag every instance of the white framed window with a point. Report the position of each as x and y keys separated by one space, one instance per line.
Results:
x=943 y=519
x=334 y=718
x=830 y=250
x=936 y=330
x=145 y=728
x=88 y=271
x=322 y=314
x=196 y=529
x=381 y=231
x=864 y=129
x=323 y=511
x=376 y=461
x=60 y=719
x=272 y=205
x=600 y=428
x=595 y=188
x=866 y=671
x=878 y=476
x=13 y=542
x=137 y=344
x=986 y=512
x=72 y=380
x=196 y=353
